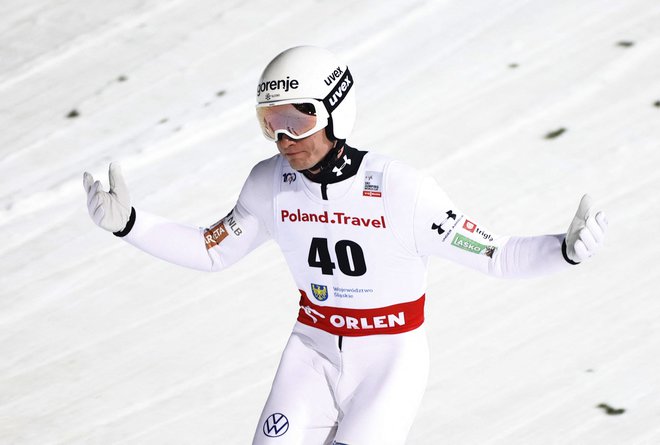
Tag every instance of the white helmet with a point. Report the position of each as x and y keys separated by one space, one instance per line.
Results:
x=306 y=73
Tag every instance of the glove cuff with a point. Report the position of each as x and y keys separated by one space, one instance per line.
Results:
x=131 y=222
x=563 y=252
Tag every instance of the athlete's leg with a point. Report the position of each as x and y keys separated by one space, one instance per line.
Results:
x=301 y=409
x=383 y=382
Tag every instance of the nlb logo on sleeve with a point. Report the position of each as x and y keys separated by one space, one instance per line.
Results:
x=214 y=235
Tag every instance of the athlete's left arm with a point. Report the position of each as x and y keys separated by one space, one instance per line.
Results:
x=442 y=229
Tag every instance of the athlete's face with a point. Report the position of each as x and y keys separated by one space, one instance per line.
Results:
x=305 y=153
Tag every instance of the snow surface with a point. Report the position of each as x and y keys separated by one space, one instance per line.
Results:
x=102 y=344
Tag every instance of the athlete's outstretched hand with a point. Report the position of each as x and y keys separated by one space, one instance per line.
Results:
x=110 y=210
x=586 y=233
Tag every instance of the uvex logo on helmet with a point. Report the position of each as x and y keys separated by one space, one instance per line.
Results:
x=333 y=76
x=272 y=85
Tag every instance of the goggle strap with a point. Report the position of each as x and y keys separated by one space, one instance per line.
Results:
x=337 y=95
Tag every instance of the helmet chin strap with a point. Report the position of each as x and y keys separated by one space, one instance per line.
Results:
x=327 y=160
x=330 y=157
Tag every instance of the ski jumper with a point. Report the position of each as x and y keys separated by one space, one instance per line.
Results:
x=357 y=242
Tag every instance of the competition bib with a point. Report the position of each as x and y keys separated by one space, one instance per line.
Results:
x=354 y=275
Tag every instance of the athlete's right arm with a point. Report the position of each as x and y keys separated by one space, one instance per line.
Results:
x=208 y=249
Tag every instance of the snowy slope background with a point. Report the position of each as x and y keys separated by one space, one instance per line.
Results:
x=102 y=344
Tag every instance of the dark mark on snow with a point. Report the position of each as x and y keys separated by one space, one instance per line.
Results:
x=625 y=43
x=122 y=78
x=556 y=133
x=73 y=114
x=163 y=120
x=657 y=104
x=221 y=93
x=611 y=411
x=513 y=65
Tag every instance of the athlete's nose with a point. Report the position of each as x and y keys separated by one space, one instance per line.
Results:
x=285 y=141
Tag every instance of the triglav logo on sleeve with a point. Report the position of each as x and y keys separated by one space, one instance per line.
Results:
x=473 y=228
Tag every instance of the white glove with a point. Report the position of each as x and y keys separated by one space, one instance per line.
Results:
x=586 y=233
x=110 y=210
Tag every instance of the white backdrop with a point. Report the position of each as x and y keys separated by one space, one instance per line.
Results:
x=102 y=344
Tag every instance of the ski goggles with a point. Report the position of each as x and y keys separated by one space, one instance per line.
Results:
x=295 y=118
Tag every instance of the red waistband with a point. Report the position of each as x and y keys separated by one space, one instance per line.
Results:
x=395 y=319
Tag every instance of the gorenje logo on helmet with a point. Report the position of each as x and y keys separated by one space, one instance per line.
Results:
x=339 y=92
x=272 y=85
